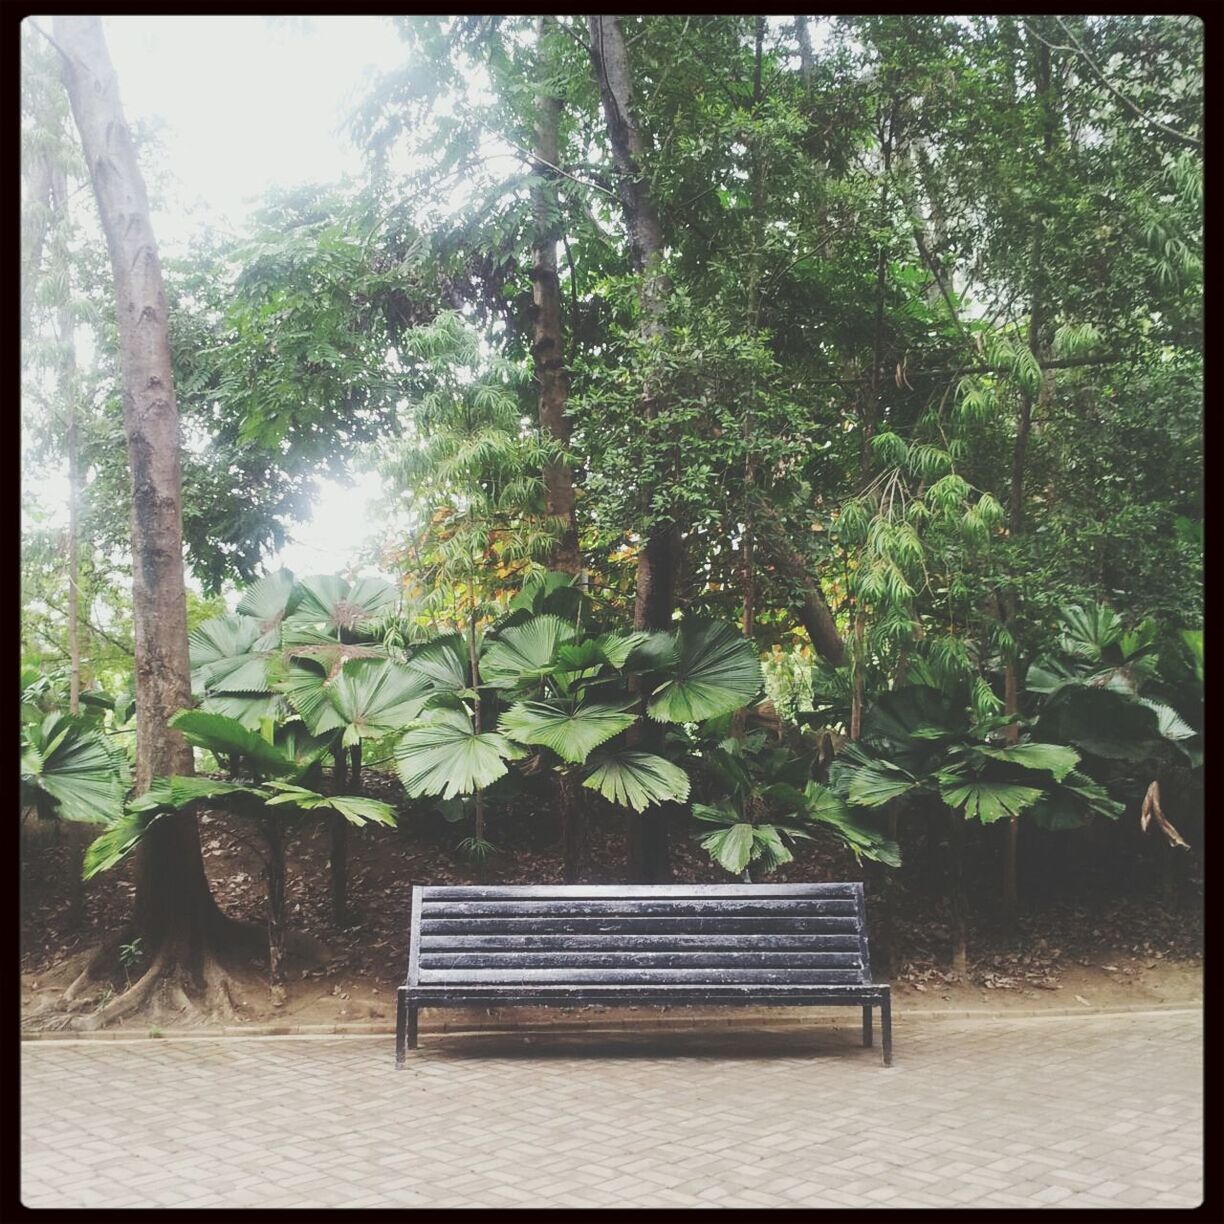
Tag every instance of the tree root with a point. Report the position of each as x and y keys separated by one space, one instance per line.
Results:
x=169 y=991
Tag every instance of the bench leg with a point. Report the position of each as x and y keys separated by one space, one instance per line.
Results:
x=886 y=1028
x=412 y=1027
x=401 y=1033
x=867 y=1024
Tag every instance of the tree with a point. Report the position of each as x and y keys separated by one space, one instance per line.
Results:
x=548 y=349
x=270 y=793
x=175 y=910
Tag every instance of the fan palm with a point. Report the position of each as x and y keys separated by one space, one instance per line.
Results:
x=270 y=791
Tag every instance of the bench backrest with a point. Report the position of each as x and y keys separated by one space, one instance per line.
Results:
x=675 y=934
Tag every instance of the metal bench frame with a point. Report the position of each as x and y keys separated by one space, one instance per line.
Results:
x=726 y=932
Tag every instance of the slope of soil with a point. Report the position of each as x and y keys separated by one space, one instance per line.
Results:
x=1097 y=931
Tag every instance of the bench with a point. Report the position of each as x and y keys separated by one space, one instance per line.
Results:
x=573 y=944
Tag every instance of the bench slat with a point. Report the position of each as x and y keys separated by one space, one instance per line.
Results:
x=711 y=942
x=522 y=892
x=514 y=975
x=661 y=925
x=639 y=960
x=764 y=907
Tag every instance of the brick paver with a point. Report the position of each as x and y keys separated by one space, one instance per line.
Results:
x=1101 y=1111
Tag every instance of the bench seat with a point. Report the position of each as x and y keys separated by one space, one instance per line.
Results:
x=692 y=944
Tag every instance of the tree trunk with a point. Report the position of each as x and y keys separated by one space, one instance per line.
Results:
x=1011 y=845
x=174 y=907
x=806 y=59
x=812 y=610
x=34 y=222
x=274 y=834
x=957 y=902
x=547 y=350
x=572 y=826
x=858 y=688
x=658 y=558
x=1042 y=80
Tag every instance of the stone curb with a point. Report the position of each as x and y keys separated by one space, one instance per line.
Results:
x=595 y=1025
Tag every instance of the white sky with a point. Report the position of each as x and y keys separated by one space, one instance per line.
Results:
x=244 y=104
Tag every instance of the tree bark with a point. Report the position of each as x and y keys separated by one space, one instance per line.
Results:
x=547 y=350
x=806 y=59
x=274 y=834
x=1042 y=80
x=812 y=609
x=957 y=901
x=34 y=223
x=658 y=559
x=572 y=826
x=173 y=902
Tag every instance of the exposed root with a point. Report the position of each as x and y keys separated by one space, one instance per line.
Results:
x=217 y=991
x=131 y=1000
x=105 y=955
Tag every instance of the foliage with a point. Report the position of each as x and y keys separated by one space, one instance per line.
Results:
x=70 y=772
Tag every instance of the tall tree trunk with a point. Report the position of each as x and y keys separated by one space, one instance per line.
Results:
x=547 y=350
x=175 y=910
x=812 y=609
x=66 y=393
x=957 y=901
x=572 y=826
x=1043 y=81
x=35 y=218
x=658 y=559
x=274 y=835
x=756 y=171
x=807 y=62
x=474 y=665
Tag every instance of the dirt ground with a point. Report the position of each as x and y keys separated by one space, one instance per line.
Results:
x=1101 y=926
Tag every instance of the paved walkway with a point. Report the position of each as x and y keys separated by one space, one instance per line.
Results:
x=1091 y=1112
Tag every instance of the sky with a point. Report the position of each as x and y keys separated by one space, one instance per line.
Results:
x=244 y=104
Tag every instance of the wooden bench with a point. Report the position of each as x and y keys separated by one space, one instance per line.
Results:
x=573 y=944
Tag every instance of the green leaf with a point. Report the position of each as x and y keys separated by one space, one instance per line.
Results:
x=573 y=730
x=637 y=779
x=224 y=658
x=448 y=757
x=117 y=842
x=230 y=738
x=730 y=848
x=873 y=785
x=985 y=800
x=356 y=809
x=1054 y=759
x=443 y=662
x=916 y=712
x=267 y=601
x=524 y=653
x=1172 y=725
x=1101 y=721
x=306 y=687
x=655 y=652
x=71 y=773
x=1071 y=803
x=376 y=698
x=343 y=608
x=178 y=791
x=247 y=709
x=768 y=848
x=717 y=671
x=1089 y=632
x=719 y=813
x=616 y=648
